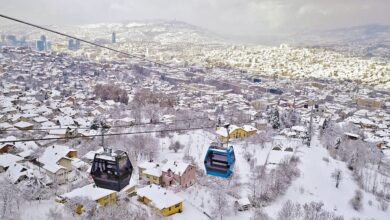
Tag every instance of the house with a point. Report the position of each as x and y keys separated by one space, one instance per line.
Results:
x=250 y=130
x=153 y=175
x=351 y=136
x=278 y=155
x=7 y=148
x=166 y=202
x=22 y=125
x=242 y=204
x=369 y=102
x=57 y=161
x=7 y=160
x=91 y=192
x=178 y=172
x=88 y=157
x=143 y=166
x=129 y=190
x=17 y=172
x=26 y=149
x=235 y=132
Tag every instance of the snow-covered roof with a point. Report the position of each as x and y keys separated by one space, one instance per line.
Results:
x=243 y=202
x=91 y=192
x=5 y=125
x=147 y=164
x=177 y=168
x=77 y=163
x=91 y=154
x=23 y=125
x=26 y=148
x=7 y=160
x=52 y=155
x=352 y=135
x=15 y=171
x=65 y=121
x=276 y=157
x=153 y=171
x=160 y=197
x=299 y=128
x=40 y=119
x=249 y=128
x=222 y=131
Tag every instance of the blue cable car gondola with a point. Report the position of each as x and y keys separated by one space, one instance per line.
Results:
x=219 y=161
x=111 y=170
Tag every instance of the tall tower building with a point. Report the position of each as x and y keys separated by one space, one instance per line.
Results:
x=43 y=39
x=40 y=45
x=113 y=37
x=71 y=44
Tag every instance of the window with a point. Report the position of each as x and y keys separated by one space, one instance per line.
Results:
x=177 y=206
x=169 y=209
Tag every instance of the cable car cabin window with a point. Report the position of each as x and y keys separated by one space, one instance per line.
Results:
x=124 y=167
x=233 y=157
x=106 y=169
x=217 y=163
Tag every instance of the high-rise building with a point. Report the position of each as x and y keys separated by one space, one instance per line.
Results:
x=11 y=40
x=71 y=44
x=43 y=39
x=40 y=45
x=77 y=46
x=113 y=37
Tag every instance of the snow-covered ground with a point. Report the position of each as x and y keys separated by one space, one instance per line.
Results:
x=316 y=184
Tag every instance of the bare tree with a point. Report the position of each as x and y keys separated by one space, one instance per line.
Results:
x=54 y=214
x=290 y=211
x=221 y=206
x=356 y=201
x=176 y=146
x=9 y=201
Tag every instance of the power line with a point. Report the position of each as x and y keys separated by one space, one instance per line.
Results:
x=111 y=126
x=105 y=47
x=105 y=135
x=91 y=43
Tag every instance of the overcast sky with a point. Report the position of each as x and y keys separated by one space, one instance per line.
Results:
x=238 y=17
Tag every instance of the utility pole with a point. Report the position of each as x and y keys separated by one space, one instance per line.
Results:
x=313 y=105
x=310 y=125
x=228 y=135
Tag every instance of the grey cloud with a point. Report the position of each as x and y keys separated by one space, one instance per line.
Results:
x=223 y=16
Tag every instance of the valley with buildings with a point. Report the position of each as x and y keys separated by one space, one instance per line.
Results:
x=165 y=120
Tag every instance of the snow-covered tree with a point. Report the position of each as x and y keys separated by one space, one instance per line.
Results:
x=357 y=200
x=9 y=201
x=176 y=146
x=54 y=214
x=274 y=118
x=221 y=205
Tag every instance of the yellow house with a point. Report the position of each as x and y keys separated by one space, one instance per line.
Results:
x=57 y=161
x=153 y=175
x=164 y=201
x=235 y=132
x=129 y=190
x=91 y=192
x=144 y=166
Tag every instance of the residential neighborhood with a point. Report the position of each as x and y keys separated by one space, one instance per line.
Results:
x=190 y=126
